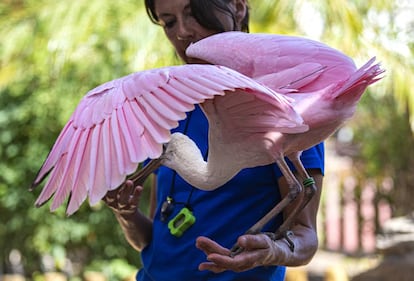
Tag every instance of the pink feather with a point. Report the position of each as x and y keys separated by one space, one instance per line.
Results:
x=121 y=123
x=275 y=59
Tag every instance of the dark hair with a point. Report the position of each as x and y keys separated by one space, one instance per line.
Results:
x=203 y=13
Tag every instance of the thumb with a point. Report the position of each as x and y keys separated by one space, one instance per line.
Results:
x=254 y=242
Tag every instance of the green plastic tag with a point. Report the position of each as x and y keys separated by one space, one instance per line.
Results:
x=181 y=222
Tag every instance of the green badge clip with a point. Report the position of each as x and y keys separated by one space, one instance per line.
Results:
x=181 y=222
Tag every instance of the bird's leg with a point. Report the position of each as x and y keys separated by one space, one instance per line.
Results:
x=295 y=188
x=307 y=181
x=309 y=191
x=139 y=176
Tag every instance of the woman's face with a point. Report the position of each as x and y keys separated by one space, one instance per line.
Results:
x=181 y=28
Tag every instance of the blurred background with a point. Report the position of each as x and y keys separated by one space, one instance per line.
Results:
x=53 y=52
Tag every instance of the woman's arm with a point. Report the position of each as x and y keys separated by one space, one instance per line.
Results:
x=260 y=250
x=136 y=226
x=304 y=230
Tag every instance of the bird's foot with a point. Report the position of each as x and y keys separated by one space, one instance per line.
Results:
x=257 y=227
x=283 y=234
x=236 y=249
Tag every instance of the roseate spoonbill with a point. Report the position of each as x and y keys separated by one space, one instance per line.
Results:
x=125 y=121
x=325 y=99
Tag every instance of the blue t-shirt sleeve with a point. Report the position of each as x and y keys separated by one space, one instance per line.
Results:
x=313 y=158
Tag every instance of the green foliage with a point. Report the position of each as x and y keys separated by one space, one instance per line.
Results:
x=54 y=53
x=386 y=144
x=114 y=269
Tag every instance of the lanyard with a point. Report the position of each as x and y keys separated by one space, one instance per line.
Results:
x=185 y=218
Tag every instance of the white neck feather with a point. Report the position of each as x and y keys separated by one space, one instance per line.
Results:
x=183 y=156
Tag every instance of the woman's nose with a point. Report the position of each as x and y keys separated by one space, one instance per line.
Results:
x=185 y=31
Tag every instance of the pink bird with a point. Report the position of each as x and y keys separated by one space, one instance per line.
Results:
x=325 y=99
x=123 y=122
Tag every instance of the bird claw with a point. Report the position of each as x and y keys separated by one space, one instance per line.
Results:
x=236 y=249
x=290 y=242
x=285 y=234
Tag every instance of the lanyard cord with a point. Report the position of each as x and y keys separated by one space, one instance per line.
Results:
x=172 y=186
x=168 y=205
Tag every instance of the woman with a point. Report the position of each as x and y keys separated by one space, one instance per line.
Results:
x=201 y=252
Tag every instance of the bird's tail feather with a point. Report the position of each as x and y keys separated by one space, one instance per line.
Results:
x=356 y=84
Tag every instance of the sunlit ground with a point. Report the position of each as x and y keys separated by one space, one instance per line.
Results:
x=330 y=266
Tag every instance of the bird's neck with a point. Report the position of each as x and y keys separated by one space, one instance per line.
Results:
x=183 y=156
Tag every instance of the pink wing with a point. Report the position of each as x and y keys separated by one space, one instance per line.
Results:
x=125 y=121
x=276 y=59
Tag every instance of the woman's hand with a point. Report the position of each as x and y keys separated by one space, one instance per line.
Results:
x=124 y=200
x=259 y=250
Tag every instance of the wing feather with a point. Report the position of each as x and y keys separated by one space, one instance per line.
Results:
x=68 y=171
x=182 y=91
x=152 y=148
x=58 y=149
x=117 y=143
x=52 y=183
x=292 y=79
x=121 y=123
x=80 y=178
x=170 y=96
x=151 y=127
x=109 y=152
x=131 y=153
x=129 y=165
x=201 y=91
x=211 y=87
x=157 y=123
x=164 y=113
x=104 y=102
x=135 y=130
x=97 y=187
x=222 y=81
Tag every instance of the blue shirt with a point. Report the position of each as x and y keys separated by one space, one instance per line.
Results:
x=222 y=215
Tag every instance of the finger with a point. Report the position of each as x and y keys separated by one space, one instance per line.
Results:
x=242 y=262
x=209 y=246
x=124 y=193
x=116 y=194
x=210 y=266
x=128 y=187
x=253 y=242
x=219 y=259
x=136 y=195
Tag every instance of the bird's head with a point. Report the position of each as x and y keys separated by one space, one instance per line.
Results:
x=179 y=151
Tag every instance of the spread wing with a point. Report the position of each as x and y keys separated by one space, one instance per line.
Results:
x=125 y=121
